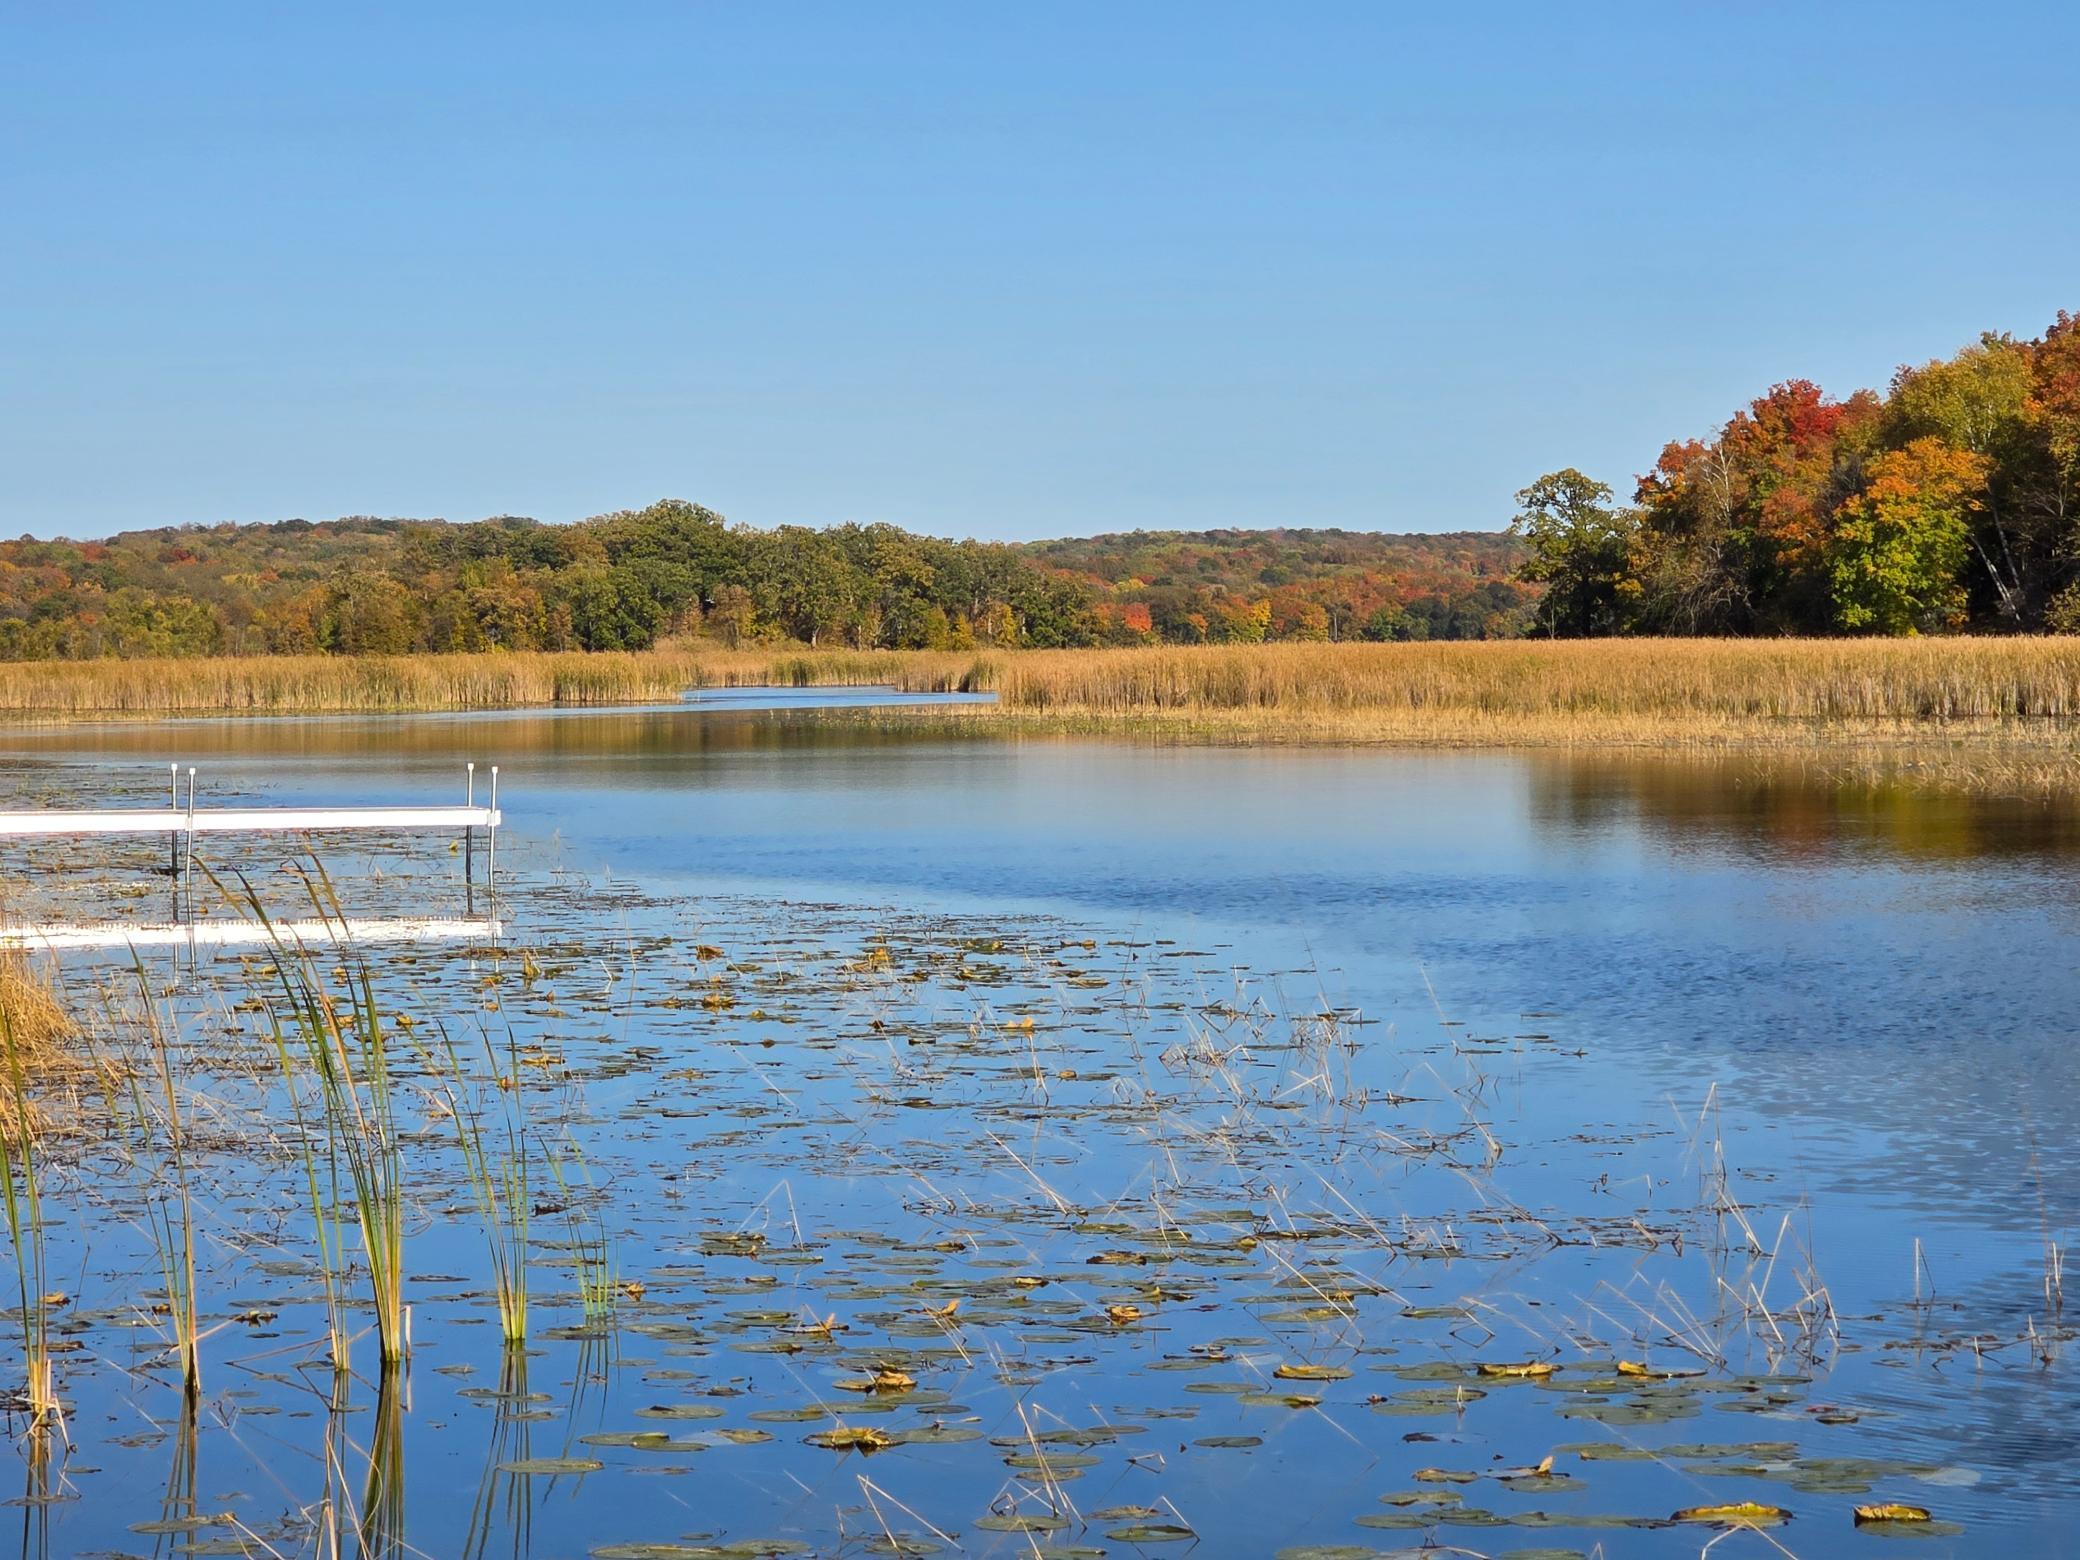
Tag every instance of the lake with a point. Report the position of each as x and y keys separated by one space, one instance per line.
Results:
x=1270 y=1118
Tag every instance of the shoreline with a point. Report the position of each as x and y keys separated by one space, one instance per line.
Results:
x=1982 y=715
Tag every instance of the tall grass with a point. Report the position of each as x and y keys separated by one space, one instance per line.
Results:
x=22 y=1191
x=273 y=685
x=39 y=1030
x=498 y=1178
x=1920 y=680
x=1539 y=690
x=169 y=1211
x=324 y=1190
x=344 y=1044
x=591 y=1245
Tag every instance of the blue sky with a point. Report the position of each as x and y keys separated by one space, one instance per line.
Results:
x=982 y=270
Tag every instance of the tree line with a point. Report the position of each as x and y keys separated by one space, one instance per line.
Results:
x=1949 y=503
x=622 y=581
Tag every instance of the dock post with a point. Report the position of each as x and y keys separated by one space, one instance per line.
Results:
x=469 y=842
x=173 y=841
x=189 y=884
x=491 y=847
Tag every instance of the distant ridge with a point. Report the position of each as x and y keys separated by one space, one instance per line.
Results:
x=367 y=585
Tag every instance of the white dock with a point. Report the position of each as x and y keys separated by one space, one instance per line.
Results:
x=244 y=820
x=182 y=823
x=347 y=932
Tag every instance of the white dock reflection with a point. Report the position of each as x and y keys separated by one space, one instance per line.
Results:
x=57 y=937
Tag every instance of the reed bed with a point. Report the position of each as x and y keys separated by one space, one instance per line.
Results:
x=1809 y=680
x=21 y=1198
x=287 y=685
x=38 y=1027
x=1989 y=714
x=1682 y=680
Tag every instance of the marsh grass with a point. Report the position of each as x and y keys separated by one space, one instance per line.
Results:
x=21 y=1186
x=168 y=1207
x=35 y=1031
x=1456 y=690
x=321 y=1178
x=344 y=1044
x=1686 y=680
x=1985 y=714
x=40 y=1032
x=282 y=685
x=496 y=1163
x=591 y=1245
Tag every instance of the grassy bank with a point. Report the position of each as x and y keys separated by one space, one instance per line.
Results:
x=279 y=685
x=1992 y=715
x=2011 y=704
x=1675 y=683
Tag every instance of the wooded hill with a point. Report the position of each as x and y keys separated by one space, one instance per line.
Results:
x=626 y=580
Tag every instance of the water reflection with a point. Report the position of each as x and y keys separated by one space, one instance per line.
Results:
x=1879 y=979
x=1787 y=813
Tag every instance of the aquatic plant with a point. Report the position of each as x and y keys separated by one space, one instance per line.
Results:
x=591 y=1246
x=324 y=1191
x=22 y=1190
x=498 y=680
x=344 y=1042
x=497 y=1167
x=169 y=1213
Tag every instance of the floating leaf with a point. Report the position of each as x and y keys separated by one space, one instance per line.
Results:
x=1740 y=1513
x=1021 y=1522
x=1891 y=1511
x=551 y=1465
x=852 y=1438
x=1151 y=1533
x=1312 y=1372
x=1528 y=1370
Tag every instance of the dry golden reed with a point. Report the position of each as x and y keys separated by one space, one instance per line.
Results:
x=36 y=1032
x=2016 y=699
x=1809 y=680
x=279 y=685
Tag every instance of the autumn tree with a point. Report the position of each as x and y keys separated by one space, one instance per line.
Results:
x=1900 y=547
x=1734 y=530
x=1979 y=401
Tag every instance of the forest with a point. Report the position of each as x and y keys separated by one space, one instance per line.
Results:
x=677 y=571
x=1948 y=503
x=1951 y=502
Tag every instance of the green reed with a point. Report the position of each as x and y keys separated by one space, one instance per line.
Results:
x=324 y=1197
x=498 y=1178
x=22 y=1189
x=345 y=1045
x=592 y=1247
x=169 y=1216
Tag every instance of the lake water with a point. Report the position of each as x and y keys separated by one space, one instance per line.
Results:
x=1543 y=969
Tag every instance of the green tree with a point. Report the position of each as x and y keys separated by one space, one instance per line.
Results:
x=1580 y=552
x=733 y=615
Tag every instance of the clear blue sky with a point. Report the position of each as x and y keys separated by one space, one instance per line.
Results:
x=1007 y=271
